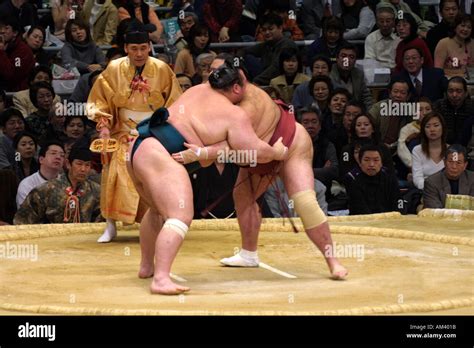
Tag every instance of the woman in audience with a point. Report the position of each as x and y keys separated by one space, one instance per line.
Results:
x=337 y=102
x=21 y=99
x=409 y=135
x=358 y=19
x=198 y=43
x=11 y=123
x=427 y=158
x=144 y=13
x=75 y=127
x=79 y=50
x=291 y=76
x=25 y=145
x=34 y=38
x=320 y=88
x=331 y=40
x=363 y=128
x=455 y=54
x=42 y=96
x=407 y=31
x=340 y=134
x=302 y=96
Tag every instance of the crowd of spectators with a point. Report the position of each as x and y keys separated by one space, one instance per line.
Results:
x=407 y=147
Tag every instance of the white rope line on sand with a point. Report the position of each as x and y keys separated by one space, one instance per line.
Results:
x=177 y=278
x=277 y=271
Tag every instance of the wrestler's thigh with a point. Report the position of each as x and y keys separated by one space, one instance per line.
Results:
x=163 y=182
x=249 y=187
x=297 y=171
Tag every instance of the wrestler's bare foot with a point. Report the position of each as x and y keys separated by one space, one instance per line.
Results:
x=167 y=287
x=338 y=271
x=146 y=270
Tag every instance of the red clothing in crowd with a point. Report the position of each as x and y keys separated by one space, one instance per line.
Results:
x=419 y=43
x=222 y=13
x=16 y=62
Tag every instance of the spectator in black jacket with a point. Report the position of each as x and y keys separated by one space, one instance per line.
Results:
x=456 y=107
x=269 y=50
x=374 y=190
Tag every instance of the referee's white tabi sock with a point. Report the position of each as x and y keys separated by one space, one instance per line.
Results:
x=109 y=233
x=244 y=258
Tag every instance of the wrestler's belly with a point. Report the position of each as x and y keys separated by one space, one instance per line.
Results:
x=134 y=116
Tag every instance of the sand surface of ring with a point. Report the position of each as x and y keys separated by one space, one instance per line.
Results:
x=392 y=270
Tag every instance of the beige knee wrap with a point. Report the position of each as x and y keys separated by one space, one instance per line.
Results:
x=177 y=226
x=307 y=208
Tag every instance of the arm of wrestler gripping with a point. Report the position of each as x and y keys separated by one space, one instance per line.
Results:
x=241 y=136
x=205 y=155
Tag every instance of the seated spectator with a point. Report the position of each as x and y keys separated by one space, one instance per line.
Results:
x=11 y=123
x=84 y=85
x=382 y=43
x=34 y=38
x=313 y=13
x=410 y=133
x=407 y=31
x=102 y=16
x=358 y=19
x=291 y=75
x=198 y=43
x=203 y=68
x=290 y=26
x=223 y=19
x=7 y=192
x=140 y=10
x=321 y=66
x=42 y=96
x=455 y=108
x=454 y=179
x=20 y=11
x=21 y=99
x=25 y=145
x=186 y=22
x=455 y=54
x=448 y=10
x=71 y=198
x=214 y=184
x=278 y=202
x=51 y=158
x=363 y=128
x=403 y=7
x=374 y=190
x=423 y=82
x=320 y=88
x=62 y=11
x=269 y=50
x=184 y=81
x=393 y=113
x=325 y=165
x=427 y=158
x=16 y=58
x=344 y=74
x=331 y=40
x=337 y=102
x=75 y=127
x=79 y=50
x=340 y=134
